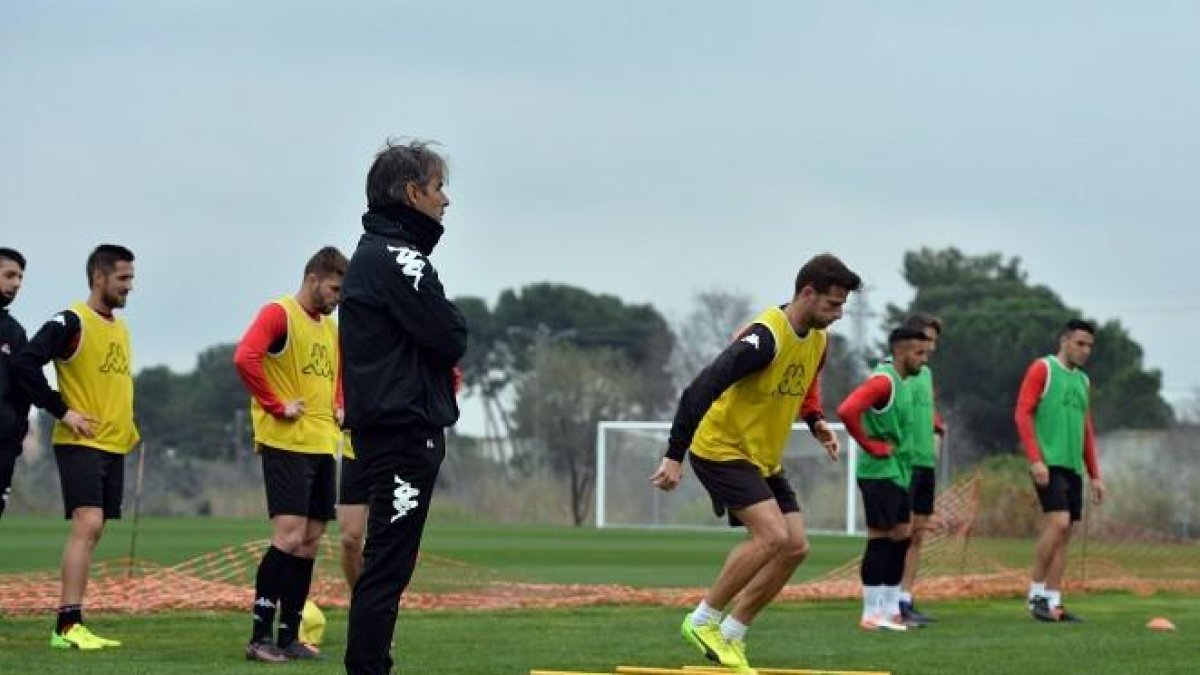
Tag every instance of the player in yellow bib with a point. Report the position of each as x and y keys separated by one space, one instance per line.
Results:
x=92 y=358
x=735 y=418
x=288 y=359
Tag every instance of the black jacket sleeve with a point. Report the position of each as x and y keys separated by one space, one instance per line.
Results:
x=752 y=351
x=14 y=403
x=417 y=301
x=52 y=341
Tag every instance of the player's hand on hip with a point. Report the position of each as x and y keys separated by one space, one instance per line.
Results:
x=293 y=409
x=339 y=414
x=79 y=423
x=1041 y=475
x=1098 y=491
x=668 y=475
x=828 y=439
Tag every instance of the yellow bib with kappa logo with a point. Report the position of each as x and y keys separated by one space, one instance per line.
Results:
x=752 y=419
x=97 y=381
x=305 y=370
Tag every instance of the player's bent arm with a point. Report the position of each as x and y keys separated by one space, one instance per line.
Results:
x=810 y=409
x=874 y=393
x=750 y=353
x=57 y=338
x=1027 y=402
x=269 y=328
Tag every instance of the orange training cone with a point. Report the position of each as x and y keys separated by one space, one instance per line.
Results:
x=1160 y=623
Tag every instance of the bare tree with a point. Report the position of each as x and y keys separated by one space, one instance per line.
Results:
x=706 y=330
x=559 y=404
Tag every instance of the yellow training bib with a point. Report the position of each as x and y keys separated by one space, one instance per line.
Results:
x=97 y=381
x=752 y=419
x=306 y=369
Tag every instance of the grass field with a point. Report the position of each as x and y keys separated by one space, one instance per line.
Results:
x=972 y=636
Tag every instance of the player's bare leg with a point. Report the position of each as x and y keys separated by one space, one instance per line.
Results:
x=352 y=525
x=87 y=524
x=768 y=536
x=774 y=576
x=920 y=526
x=912 y=559
x=767 y=540
x=1050 y=552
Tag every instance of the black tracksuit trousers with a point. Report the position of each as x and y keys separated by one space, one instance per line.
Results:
x=8 y=462
x=401 y=465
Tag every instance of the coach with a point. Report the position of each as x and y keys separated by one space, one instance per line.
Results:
x=401 y=339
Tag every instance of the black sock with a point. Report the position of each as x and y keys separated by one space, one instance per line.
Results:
x=899 y=551
x=266 y=592
x=68 y=615
x=292 y=596
x=875 y=562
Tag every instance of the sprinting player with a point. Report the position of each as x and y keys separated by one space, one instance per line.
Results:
x=735 y=418
x=288 y=361
x=879 y=415
x=401 y=338
x=928 y=432
x=14 y=403
x=90 y=348
x=1054 y=422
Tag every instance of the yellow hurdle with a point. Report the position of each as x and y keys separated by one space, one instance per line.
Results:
x=565 y=672
x=694 y=670
x=641 y=670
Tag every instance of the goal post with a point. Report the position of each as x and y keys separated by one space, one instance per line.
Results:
x=627 y=452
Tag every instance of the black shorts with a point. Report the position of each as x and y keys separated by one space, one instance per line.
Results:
x=923 y=488
x=885 y=504
x=738 y=484
x=299 y=484
x=353 y=489
x=90 y=477
x=1064 y=492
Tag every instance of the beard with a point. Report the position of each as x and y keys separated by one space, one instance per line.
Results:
x=114 y=301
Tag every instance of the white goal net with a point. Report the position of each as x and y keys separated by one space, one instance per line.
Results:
x=628 y=452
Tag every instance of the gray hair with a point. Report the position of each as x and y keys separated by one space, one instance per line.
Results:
x=397 y=165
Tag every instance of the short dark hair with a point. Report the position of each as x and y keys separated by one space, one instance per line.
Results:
x=13 y=255
x=824 y=271
x=923 y=320
x=105 y=258
x=326 y=262
x=1077 y=324
x=903 y=333
x=399 y=164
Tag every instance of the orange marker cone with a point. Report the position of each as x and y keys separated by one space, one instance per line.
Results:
x=1160 y=623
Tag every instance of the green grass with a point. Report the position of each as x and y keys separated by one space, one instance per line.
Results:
x=528 y=553
x=971 y=637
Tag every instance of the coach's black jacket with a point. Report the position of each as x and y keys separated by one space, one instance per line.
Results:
x=400 y=336
x=14 y=402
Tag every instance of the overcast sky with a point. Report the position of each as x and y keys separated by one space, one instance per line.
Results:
x=642 y=148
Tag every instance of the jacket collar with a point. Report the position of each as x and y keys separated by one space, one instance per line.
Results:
x=404 y=222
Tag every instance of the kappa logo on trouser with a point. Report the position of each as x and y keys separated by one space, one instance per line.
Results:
x=405 y=498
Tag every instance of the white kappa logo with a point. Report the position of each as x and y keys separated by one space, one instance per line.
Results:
x=751 y=340
x=405 y=498
x=411 y=263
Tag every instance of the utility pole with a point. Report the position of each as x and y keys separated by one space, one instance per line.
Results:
x=860 y=312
